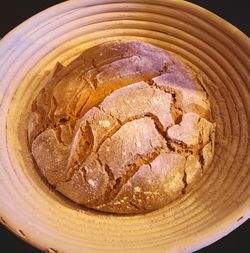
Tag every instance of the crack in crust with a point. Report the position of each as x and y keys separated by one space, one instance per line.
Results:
x=132 y=169
x=184 y=180
x=201 y=160
x=133 y=204
x=75 y=163
x=52 y=122
x=176 y=110
x=115 y=129
x=184 y=149
x=85 y=146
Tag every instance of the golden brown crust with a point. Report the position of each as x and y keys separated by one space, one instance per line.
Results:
x=124 y=128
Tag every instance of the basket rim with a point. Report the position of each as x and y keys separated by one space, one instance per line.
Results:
x=229 y=223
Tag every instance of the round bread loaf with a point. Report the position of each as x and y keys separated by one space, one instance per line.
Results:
x=124 y=128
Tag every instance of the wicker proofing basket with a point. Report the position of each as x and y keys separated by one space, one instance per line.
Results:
x=221 y=201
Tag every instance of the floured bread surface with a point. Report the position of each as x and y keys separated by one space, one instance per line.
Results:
x=124 y=128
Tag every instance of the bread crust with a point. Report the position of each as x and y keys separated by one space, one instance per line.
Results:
x=124 y=128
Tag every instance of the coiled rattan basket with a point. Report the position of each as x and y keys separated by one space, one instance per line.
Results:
x=208 y=44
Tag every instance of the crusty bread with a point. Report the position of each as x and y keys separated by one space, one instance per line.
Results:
x=124 y=128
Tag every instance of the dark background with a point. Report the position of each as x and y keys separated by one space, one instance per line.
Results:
x=236 y=12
